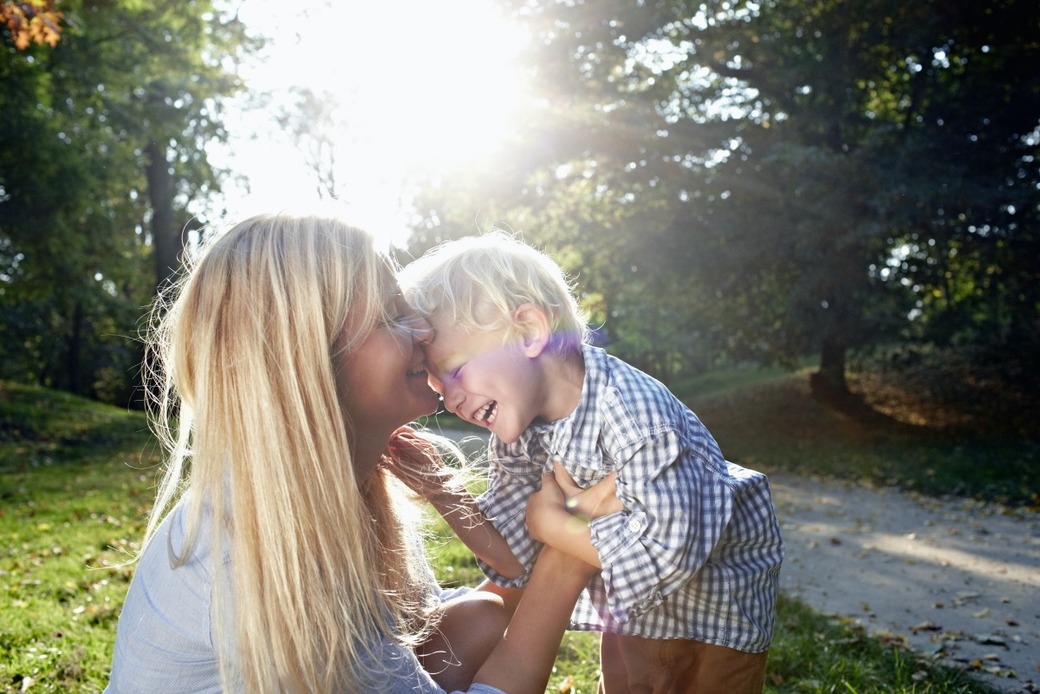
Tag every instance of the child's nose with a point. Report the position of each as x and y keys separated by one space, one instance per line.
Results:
x=434 y=382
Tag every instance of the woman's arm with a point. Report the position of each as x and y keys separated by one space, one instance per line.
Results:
x=414 y=461
x=522 y=661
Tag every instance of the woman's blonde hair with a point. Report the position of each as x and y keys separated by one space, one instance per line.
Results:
x=243 y=365
x=479 y=282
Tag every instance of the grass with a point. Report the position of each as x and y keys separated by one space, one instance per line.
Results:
x=76 y=481
x=74 y=492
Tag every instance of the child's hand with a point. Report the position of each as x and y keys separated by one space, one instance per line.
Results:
x=598 y=500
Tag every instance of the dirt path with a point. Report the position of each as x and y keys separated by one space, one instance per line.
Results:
x=955 y=579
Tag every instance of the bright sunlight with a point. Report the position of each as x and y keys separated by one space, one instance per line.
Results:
x=405 y=87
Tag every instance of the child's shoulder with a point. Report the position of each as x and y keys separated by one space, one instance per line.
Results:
x=624 y=387
x=627 y=378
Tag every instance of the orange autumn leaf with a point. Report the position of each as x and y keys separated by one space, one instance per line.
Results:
x=31 y=22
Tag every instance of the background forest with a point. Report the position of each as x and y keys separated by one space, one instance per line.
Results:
x=729 y=183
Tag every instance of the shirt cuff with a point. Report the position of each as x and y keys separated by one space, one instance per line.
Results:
x=613 y=534
x=500 y=580
x=617 y=538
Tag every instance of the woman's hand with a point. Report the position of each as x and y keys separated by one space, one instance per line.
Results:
x=598 y=500
x=415 y=461
x=546 y=510
x=558 y=514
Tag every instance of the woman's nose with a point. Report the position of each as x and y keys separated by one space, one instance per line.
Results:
x=419 y=329
x=452 y=396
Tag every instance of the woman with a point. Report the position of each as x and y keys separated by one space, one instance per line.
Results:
x=276 y=557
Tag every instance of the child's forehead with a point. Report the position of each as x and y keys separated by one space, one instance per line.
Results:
x=450 y=337
x=448 y=330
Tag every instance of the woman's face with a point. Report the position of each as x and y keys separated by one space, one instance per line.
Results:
x=384 y=383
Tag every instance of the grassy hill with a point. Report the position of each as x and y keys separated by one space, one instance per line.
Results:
x=895 y=435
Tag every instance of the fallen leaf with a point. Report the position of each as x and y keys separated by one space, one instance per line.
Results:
x=984 y=612
x=926 y=626
x=991 y=640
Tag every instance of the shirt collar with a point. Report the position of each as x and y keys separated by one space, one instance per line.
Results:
x=575 y=438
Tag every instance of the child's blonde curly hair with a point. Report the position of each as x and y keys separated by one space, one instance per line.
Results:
x=480 y=281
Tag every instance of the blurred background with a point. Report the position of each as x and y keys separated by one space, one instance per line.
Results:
x=846 y=186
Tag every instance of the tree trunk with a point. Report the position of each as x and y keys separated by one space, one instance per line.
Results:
x=73 y=349
x=166 y=240
x=829 y=383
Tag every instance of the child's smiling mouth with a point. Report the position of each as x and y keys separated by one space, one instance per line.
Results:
x=487 y=414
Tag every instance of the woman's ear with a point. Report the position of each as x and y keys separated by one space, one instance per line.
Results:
x=532 y=325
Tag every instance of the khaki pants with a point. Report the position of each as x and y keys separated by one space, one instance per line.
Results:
x=636 y=665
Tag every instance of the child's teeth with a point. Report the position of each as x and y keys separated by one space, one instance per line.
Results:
x=486 y=413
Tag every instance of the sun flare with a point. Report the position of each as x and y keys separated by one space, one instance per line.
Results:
x=415 y=86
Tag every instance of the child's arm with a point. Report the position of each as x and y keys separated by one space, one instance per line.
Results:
x=415 y=462
x=558 y=515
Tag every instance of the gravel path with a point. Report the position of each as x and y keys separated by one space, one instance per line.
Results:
x=958 y=580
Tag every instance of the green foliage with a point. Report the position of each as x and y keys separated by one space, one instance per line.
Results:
x=788 y=177
x=78 y=212
x=814 y=653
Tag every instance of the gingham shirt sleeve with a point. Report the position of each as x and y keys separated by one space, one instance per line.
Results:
x=674 y=516
x=512 y=478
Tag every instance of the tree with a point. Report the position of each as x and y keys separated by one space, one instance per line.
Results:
x=101 y=154
x=824 y=169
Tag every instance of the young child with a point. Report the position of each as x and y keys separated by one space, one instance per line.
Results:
x=690 y=549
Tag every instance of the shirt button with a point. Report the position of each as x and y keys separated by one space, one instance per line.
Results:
x=634 y=525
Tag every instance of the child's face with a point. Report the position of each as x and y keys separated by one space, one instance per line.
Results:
x=486 y=377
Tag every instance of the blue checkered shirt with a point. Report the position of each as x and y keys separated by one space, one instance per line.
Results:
x=695 y=553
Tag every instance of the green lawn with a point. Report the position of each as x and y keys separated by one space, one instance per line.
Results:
x=76 y=481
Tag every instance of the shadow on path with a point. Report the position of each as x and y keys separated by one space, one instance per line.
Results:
x=955 y=579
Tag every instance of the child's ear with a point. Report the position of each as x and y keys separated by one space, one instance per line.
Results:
x=532 y=325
